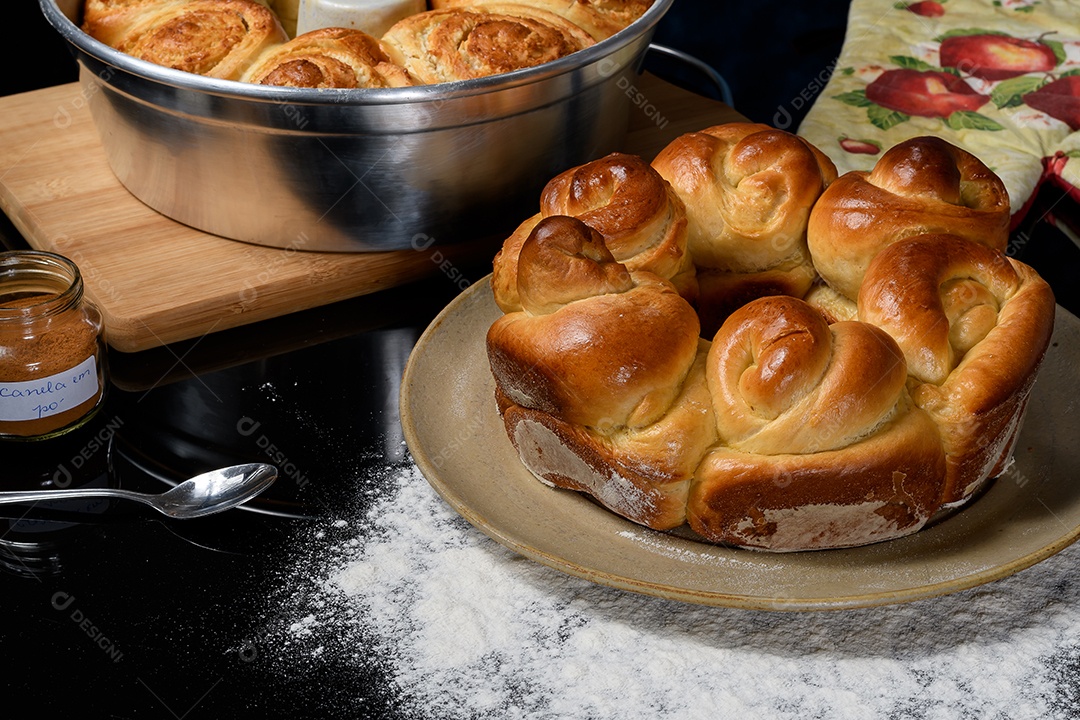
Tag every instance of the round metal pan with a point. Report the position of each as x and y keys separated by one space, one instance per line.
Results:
x=352 y=170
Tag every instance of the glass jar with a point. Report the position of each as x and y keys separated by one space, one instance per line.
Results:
x=52 y=347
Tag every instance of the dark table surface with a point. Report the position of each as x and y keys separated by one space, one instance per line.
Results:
x=137 y=615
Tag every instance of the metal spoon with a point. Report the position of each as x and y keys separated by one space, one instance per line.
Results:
x=204 y=494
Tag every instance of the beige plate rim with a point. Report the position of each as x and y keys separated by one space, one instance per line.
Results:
x=456 y=439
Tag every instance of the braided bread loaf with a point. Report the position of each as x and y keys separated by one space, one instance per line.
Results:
x=972 y=324
x=588 y=404
x=822 y=445
x=641 y=218
x=748 y=191
x=784 y=429
x=924 y=185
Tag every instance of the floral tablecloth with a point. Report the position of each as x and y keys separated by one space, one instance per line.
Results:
x=1000 y=78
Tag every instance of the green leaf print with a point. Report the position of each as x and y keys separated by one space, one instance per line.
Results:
x=962 y=32
x=910 y=63
x=885 y=118
x=962 y=119
x=856 y=98
x=1057 y=48
x=1010 y=93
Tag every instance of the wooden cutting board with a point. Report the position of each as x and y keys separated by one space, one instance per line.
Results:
x=157 y=281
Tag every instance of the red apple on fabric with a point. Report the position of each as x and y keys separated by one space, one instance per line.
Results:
x=927 y=93
x=859 y=147
x=1060 y=99
x=1055 y=164
x=927 y=8
x=996 y=57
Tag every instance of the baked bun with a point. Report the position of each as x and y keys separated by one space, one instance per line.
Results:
x=748 y=190
x=466 y=43
x=600 y=18
x=974 y=325
x=215 y=38
x=226 y=38
x=784 y=429
x=329 y=58
x=920 y=186
x=821 y=445
x=586 y=403
x=642 y=221
x=110 y=20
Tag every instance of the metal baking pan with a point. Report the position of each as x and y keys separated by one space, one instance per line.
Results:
x=352 y=170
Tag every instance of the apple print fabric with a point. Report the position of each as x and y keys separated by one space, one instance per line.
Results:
x=999 y=78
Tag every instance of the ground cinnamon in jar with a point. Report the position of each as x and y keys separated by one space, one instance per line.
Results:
x=52 y=360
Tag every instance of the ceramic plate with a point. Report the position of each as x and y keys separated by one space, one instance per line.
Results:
x=457 y=439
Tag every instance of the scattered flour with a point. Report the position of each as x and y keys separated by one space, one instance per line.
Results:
x=471 y=630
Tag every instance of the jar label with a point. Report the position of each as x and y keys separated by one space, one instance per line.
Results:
x=40 y=398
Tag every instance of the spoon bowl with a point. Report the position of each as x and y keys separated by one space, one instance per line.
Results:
x=204 y=494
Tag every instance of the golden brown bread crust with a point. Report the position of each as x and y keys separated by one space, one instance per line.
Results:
x=642 y=221
x=109 y=20
x=215 y=38
x=224 y=38
x=920 y=186
x=586 y=404
x=785 y=381
x=821 y=445
x=504 y=268
x=574 y=350
x=974 y=325
x=748 y=189
x=600 y=18
x=643 y=474
x=329 y=58
x=466 y=43
x=881 y=488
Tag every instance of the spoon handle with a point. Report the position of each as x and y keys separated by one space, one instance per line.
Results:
x=19 y=496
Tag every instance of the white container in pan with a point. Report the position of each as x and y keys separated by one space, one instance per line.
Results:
x=353 y=170
x=374 y=17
